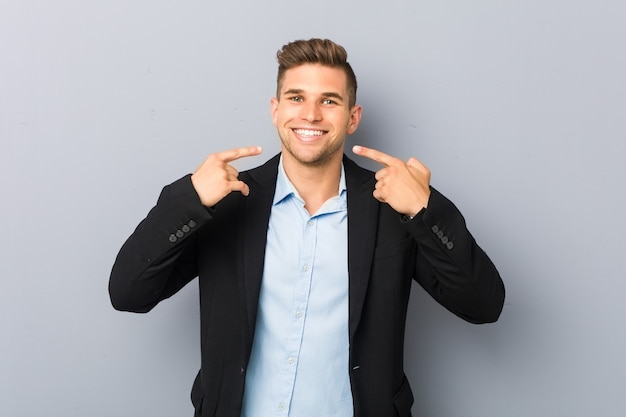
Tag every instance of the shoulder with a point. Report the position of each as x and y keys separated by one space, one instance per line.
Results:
x=356 y=175
x=263 y=175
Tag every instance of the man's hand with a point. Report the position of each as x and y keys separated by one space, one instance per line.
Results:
x=402 y=185
x=215 y=178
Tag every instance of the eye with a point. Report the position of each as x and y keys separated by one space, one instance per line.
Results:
x=328 y=101
x=297 y=99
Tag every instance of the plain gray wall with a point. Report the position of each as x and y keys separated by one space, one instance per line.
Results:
x=518 y=108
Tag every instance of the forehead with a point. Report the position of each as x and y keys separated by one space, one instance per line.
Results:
x=315 y=78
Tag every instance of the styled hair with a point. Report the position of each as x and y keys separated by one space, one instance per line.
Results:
x=315 y=51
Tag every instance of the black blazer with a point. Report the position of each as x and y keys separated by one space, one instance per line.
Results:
x=225 y=246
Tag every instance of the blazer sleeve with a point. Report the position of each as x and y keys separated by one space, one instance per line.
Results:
x=451 y=266
x=159 y=258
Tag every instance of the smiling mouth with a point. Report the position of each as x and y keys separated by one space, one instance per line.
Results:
x=309 y=133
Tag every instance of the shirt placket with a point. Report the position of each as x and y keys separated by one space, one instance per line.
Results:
x=298 y=314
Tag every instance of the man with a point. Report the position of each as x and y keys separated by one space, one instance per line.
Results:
x=305 y=263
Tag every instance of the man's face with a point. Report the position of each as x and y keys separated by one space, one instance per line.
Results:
x=312 y=114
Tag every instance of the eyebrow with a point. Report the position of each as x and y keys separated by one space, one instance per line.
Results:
x=328 y=94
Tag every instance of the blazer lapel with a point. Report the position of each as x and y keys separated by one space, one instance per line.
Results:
x=362 y=215
x=253 y=235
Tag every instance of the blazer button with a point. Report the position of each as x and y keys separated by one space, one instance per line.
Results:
x=185 y=228
x=179 y=233
x=440 y=234
x=173 y=238
x=444 y=240
x=192 y=224
x=449 y=245
x=435 y=229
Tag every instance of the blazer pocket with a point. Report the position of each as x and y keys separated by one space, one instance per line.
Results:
x=403 y=399
x=389 y=249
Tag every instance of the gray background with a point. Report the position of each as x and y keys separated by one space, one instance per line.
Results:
x=518 y=108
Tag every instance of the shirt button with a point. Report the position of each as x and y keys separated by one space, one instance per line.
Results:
x=298 y=314
x=281 y=407
x=305 y=268
x=291 y=361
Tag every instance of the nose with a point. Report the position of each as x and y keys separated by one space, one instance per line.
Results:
x=311 y=112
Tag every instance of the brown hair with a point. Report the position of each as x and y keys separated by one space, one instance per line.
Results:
x=315 y=51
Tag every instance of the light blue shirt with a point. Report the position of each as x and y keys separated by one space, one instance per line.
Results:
x=299 y=361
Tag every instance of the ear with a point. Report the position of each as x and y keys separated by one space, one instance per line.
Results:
x=355 y=118
x=274 y=109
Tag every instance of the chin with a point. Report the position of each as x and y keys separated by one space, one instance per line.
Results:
x=313 y=158
x=318 y=160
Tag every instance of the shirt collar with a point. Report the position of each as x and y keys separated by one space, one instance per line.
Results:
x=285 y=189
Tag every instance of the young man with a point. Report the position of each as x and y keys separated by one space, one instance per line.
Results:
x=305 y=263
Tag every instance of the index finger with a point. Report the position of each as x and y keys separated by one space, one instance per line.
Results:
x=375 y=155
x=233 y=154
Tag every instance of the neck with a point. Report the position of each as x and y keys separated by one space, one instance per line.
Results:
x=315 y=184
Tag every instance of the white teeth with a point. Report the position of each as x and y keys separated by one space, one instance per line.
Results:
x=308 y=133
